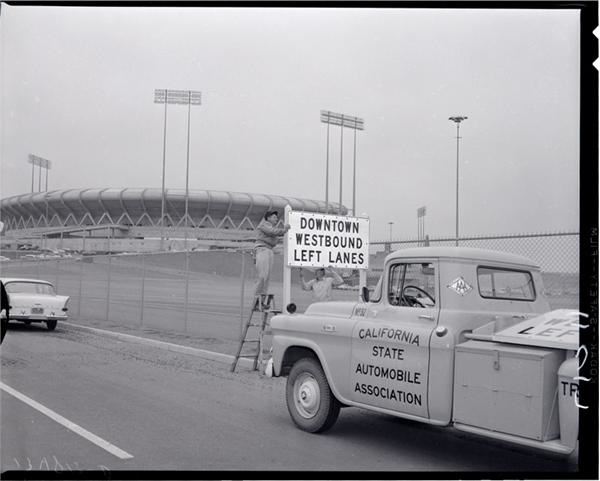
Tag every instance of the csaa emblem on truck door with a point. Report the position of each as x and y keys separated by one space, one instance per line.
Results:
x=460 y=286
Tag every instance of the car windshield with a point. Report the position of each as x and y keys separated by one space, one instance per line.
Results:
x=29 y=288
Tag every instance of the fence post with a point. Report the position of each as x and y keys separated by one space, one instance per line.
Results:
x=56 y=276
x=187 y=287
x=143 y=286
x=108 y=280
x=243 y=282
x=80 y=286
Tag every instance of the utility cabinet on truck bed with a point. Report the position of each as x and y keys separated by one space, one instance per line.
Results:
x=509 y=389
x=450 y=336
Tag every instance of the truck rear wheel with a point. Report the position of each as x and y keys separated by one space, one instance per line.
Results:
x=311 y=404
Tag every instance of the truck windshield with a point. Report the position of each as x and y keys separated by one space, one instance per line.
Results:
x=412 y=285
x=497 y=283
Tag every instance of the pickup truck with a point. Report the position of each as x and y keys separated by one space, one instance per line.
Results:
x=450 y=336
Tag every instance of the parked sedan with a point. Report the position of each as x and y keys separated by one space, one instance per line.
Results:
x=33 y=300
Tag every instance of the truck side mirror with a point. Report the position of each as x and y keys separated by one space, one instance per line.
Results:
x=364 y=294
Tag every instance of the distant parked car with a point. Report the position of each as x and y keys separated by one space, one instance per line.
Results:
x=33 y=300
x=4 y=259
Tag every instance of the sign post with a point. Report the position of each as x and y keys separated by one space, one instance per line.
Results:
x=320 y=240
x=287 y=269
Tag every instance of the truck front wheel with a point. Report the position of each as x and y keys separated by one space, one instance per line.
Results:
x=311 y=404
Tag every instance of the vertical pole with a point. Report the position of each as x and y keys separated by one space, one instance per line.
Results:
x=46 y=198
x=162 y=202
x=287 y=270
x=56 y=276
x=457 y=137
x=341 y=162
x=108 y=280
x=187 y=188
x=187 y=169
x=81 y=275
x=40 y=178
x=354 y=176
x=242 y=286
x=47 y=211
x=418 y=230
x=327 y=174
x=32 y=172
x=143 y=287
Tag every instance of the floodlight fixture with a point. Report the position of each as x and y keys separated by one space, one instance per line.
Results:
x=182 y=97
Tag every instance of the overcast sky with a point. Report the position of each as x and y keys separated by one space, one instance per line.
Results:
x=78 y=87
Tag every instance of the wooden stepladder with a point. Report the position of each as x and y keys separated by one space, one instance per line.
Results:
x=265 y=305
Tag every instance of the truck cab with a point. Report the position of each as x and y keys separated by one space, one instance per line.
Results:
x=397 y=351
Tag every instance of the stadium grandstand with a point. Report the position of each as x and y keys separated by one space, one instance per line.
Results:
x=131 y=218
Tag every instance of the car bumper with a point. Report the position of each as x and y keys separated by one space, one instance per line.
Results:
x=37 y=318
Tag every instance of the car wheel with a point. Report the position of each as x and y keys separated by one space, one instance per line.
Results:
x=310 y=402
x=51 y=325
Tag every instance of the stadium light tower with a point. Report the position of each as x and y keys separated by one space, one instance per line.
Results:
x=182 y=97
x=42 y=164
x=348 y=121
x=457 y=119
x=421 y=212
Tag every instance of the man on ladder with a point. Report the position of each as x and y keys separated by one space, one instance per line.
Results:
x=267 y=237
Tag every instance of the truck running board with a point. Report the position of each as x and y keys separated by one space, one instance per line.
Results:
x=554 y=446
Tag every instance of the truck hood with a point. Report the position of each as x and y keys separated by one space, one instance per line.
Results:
x=331 y=309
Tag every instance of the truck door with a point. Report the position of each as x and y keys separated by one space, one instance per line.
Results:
x=390 y=343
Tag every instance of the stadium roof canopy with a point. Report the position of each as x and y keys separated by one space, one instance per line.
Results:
x=142 y=207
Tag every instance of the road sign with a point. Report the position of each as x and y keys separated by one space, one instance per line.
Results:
x=320 y=240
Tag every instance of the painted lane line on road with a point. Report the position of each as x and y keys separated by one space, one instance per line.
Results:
x=193 y=351
x=111 y=448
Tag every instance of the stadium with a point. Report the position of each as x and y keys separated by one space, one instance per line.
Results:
x=112 y=219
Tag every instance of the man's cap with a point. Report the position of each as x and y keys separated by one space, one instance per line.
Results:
x=270 y=213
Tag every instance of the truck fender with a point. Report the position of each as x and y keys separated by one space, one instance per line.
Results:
x=295 y=348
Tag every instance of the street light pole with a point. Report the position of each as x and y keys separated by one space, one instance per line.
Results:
x=457 y=120
x=391 y=224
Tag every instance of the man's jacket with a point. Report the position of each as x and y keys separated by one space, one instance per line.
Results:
x=267 y=234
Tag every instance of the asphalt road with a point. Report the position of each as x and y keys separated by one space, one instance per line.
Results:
x=169 y=411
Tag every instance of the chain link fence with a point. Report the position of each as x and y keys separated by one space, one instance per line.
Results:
x=557 y=254
x=209 y=293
